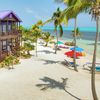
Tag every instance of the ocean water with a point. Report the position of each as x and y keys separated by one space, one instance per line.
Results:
x=85 y=35
x=85 y=29
x=87 y=39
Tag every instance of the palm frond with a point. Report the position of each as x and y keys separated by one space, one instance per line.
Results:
x=48 y=21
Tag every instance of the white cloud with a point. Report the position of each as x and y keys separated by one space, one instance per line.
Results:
x=33 y=12
x=29 y=10
x=37 y=15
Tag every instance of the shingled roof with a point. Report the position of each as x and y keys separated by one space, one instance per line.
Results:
x=4 y=14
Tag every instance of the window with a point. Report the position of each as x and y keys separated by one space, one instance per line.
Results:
x=4 y=28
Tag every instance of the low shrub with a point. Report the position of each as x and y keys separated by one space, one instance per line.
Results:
x=69 y=43
x=9 y=61
x=25 y=56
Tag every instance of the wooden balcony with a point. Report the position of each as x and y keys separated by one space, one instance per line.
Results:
x=9 y=35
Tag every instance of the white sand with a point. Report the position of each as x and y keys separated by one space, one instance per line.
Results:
x=20 y=83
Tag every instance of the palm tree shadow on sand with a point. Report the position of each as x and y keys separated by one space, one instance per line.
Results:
x=52 y=84
x=46 y=51
x=47 y=61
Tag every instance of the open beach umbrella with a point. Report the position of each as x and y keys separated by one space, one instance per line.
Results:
x=59 y=42
x=71 y=54
x=78 y=49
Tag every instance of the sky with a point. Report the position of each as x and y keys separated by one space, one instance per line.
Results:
x=30 y=11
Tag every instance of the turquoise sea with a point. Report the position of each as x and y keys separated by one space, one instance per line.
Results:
x=86 y=33
x=87 y=39
x=86 y=29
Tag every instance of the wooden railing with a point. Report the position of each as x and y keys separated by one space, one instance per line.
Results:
x=11 y=34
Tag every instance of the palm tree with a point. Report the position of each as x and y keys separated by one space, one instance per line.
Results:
x=36 y=32
x=28 y=47
x=74 y=7
x=70 y=13
x=56 y=19
x=78 y=33
x=46 y=36
x=95 y=11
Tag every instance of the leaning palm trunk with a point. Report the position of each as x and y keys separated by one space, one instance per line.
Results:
x=74 y=59
x=56 y=45
x=94 y=62
x=46 y=44
x=28 y=52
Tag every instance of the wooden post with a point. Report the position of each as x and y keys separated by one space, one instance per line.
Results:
x=7 y=27
x=11 y=25
x=19 y=25
x=15 y=26
x=2 y=27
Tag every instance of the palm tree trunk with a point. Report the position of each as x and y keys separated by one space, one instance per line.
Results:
x=94 y=62
x=74 y=59
x=28 y=52
x=46 y=44
x=56 y=45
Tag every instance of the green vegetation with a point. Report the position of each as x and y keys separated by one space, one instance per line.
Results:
x=46 y=36
x=9 y=61
x=78 y=33
x=36 y=32
x=56 y=19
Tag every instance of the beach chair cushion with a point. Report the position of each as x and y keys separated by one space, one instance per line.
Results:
x=97 y=68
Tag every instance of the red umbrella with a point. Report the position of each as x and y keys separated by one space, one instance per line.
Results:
x=71 y=54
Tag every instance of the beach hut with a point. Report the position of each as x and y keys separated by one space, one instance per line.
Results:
x=9 y=33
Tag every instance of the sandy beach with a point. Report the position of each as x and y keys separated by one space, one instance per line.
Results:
x=41 y=78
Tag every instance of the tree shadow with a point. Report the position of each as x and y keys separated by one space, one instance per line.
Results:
x=67 y=66
x=50 y=62
x=52 y=84
x=46 y=62
x=46 y=51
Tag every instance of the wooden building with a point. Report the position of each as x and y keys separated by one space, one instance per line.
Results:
x=9 y=33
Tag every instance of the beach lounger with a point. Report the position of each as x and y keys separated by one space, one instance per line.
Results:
x=89 y=64
x=69 y=64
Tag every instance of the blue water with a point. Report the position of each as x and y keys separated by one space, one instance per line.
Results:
x=84 y=29
x=87 y=33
